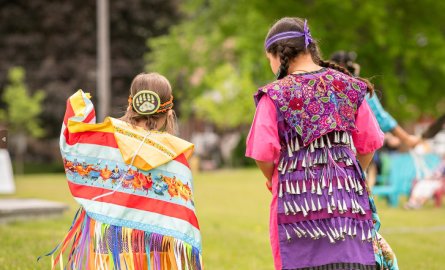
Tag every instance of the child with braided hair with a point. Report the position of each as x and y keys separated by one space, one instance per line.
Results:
x=312 y=136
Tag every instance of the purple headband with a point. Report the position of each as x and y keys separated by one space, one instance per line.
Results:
x=291 y=34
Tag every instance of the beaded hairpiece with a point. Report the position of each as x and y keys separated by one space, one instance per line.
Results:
x=146 y=102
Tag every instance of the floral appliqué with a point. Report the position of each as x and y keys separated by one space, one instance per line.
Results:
x=312 y=112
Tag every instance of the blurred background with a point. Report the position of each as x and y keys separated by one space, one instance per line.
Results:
x=212 y=53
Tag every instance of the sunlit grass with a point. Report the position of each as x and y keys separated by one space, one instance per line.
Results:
x=233 y=211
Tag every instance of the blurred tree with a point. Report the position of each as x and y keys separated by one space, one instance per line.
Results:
x=215 y=57
x=21 y=114
x=55 y=41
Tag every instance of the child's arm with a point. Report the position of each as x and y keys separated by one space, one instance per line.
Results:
x=263 y=143
x=388 y=124
x=267 y=168
x=365 y=159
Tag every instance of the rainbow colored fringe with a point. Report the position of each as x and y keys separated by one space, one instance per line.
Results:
x=95 y=245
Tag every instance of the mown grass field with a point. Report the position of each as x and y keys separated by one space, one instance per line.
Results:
x=232 y=208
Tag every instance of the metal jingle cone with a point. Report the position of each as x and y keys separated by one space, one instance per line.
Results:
x=286 y=210
x=287 y=234
x=333 y=203
x=340 y=208
x=345 y=207
x=313 y=189
x=306 y=205
x=297 y=208
x=345 y=227
x=280 y=165
x=344 y=138
x=369 y=238
x=340 y=230
x=300 y=230
x=329 y=209
x=313 y=208
x=304 y=211
x=283 y=170
x=297 y=145
x=363 y=234
x=292 y=189
x=319 y=207
x=336 y=137
x=311 y=147
x=287 y=186
x=316 y=143
x=354 y=233
x=359 y=186
x=347 y=185
x=299 y=235
x=354 y=206
x=289 y=151
x=350 y=230
x=321 y=142
x=292 y=148
x=291 y=209
x=352 y=183
x=297 y=188
x=320 y=231
x=323 y=181
x=320 y=158
x=332 y=232
x=331 y=240
x=303 y=162
x=280 y=190
x=339 y=185
x=310 y=234
x=316 y=234
x=330 y=188
x=336 y=234
x=294 y=164
x=285 y=167
x=304 y=187
x=328 y=142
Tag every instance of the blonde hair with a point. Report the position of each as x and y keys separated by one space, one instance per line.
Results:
x=160 y=85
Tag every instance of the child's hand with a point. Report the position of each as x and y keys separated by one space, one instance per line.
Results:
x=412 y=141
x=269 y=185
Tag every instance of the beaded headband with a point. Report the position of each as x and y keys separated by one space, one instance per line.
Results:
x=291 y=34
x=146 y=102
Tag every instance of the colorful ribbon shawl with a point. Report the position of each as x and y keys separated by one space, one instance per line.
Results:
x=136 y=195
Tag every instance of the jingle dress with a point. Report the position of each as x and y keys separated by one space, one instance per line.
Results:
x=136 y=195
x=309 y=125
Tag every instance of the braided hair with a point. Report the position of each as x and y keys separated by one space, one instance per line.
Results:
x=288 y=49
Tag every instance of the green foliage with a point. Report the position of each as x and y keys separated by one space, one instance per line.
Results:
x=219 y=48
x=23 y=109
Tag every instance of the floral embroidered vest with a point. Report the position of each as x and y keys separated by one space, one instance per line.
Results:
x=321 y=187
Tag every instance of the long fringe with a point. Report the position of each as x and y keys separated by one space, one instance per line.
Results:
x=95 y=245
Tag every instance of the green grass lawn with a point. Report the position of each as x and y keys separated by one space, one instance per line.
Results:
x=232 y=207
